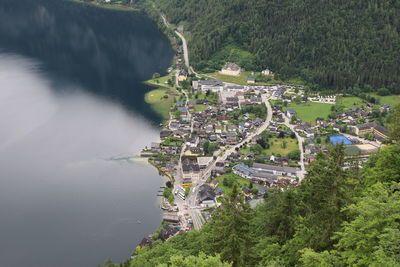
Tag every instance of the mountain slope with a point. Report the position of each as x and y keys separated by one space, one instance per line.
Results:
x=335 y=44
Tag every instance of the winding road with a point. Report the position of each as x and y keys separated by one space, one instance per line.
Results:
x=300 y=140
x=184 y=43
x=232 y=149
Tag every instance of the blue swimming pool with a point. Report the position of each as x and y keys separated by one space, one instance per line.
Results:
x=337 y=139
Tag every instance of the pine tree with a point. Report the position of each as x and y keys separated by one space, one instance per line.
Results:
x=229 y=231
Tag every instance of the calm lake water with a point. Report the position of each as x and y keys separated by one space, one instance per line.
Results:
x=71 y=111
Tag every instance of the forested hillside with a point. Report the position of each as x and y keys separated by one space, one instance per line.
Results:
x=333 y=43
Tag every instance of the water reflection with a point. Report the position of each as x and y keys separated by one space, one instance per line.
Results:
x=106 y=52
x=63 y=202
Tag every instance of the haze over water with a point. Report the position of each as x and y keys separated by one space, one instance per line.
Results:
x=71 y=110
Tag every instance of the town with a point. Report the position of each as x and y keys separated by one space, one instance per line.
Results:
x=220 y=133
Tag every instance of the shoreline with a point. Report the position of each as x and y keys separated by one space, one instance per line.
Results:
x=155 y=86
x=115 y=7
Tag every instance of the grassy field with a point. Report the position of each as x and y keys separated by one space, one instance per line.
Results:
x=198 y=108
x=350 y=102
x=213 y=97
x=392 y=100
x=162 y=81
x=158 y=103
x=242 y=79
x=231 y=178
x=276 y=147
x=310 y=111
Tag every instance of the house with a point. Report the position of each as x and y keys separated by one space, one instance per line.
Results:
x=234 y=88
x=182 y=76
x=193 y=141
x=385 y=107
x=243 y=170
x=155 y=147
x=184 y=114
x=204 y=162
x=214 y=184
x=190 y=168
x=171 y=217
x=165 y=133
x=195 y=151
x=231 y=69
x=249 y=155
x=167 y=232
x=208 y=85
x=231 y=138
x=174 y=125
x=206 y=196
x=266 y=72
x=336 y=127
x=309 y=132
x=247 y=191
x=220 y=166
x=251 y=80
x=261 y=191
x=256 y=99
x=180 y=103
x=263 y=177
x=372 y=127
x=290 y=113
x=219 y=192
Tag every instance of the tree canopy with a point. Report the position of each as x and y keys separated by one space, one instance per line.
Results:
x=337 y=44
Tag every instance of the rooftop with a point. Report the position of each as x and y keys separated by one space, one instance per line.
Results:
x=211 y=82
x=274 y=168
x=231 y=66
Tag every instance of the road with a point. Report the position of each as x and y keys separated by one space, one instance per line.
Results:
x=185 y=50
x=198 y=219
x=227 y=152
x=189 y=205
x=300 y=141
x=184 y=43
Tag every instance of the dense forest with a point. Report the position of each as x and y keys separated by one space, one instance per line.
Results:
x=340 y=215
x=341 y=44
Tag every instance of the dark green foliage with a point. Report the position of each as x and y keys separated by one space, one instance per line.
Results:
x=294 y=155
x=394 y=124
x=338 y=44
x=229 y=232
x=209 y=148
x=259 y=111
x=386 y=166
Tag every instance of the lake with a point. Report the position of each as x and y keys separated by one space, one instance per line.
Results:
x=71 y=117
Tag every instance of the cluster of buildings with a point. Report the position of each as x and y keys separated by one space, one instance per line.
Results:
x=195 y=137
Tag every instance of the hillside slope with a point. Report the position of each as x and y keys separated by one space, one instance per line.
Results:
x=335 y=44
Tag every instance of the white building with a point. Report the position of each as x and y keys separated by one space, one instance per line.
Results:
x=290 y=113
x=276 y=170
x=266 y=72
x=208 y=85
x=231 y=69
